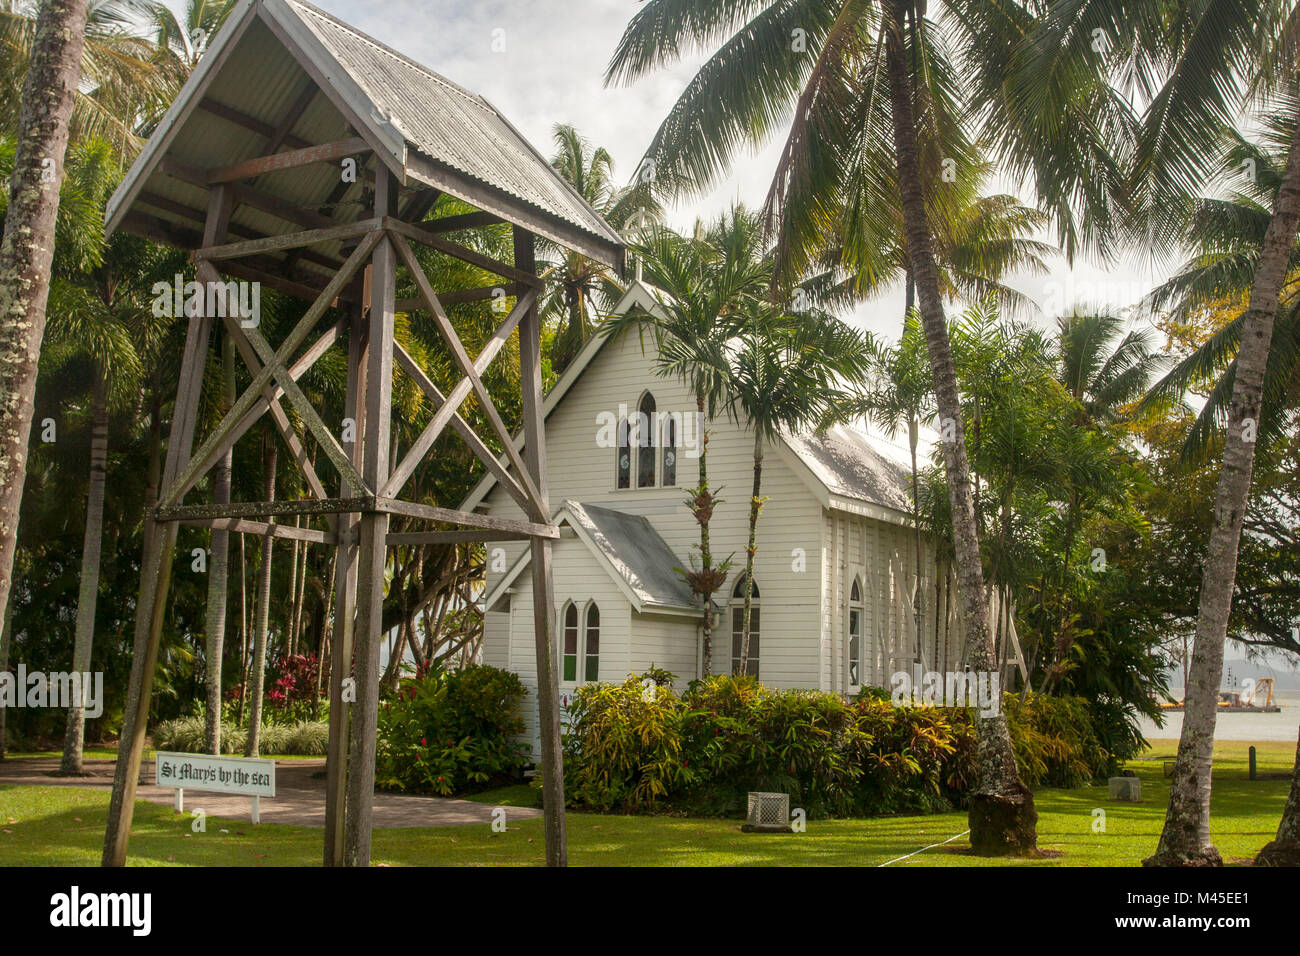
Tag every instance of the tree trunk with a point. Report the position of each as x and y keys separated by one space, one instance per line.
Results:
x=706 y=548
x=755 y=506
x=6 y=636
x=1185 y=839
x=27 y=250
x=219 y=567
x=88 y=594
x=243 y=631
x=293 y=592
x=1002 y=815
x=257 y=670
x=913 y=437
x=1284 y=850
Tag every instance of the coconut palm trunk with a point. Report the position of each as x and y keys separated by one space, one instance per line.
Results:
x=5 y=637
x=1284 y=850
x=219 y=567
x=27 y=250
x=257 y=670
x=91 y=549
x=1002 y=815
x=1185 y=839
x=755 y=506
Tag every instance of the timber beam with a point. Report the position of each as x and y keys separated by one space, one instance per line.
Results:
x=289 y=240
x=275 y=162
x=396 y=538
x=262 y=528
x=420 y=234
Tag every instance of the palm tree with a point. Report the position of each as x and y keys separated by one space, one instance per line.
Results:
x=1209 y=68
x=27 y=250
x=786 y=373
x=188 y=41
x=577 y=283
x=253 y=686
x=856 y=76
x=214 y=624
x=709 y=282
x=1245 y=256
x=1105 y=370
x=100 y=317
x=123 y=82
x=1225 y=235
x=983 y=241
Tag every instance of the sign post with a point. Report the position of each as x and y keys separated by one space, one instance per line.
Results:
x=252 y=777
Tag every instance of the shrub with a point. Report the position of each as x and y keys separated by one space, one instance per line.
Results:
x=745 y=737
x=637 y=746
x=624 y=745
x=187 y=735
x=449 y=732
x=906 y=760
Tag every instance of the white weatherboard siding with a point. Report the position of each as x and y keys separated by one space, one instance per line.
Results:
x=663 y=641
x=578 y=578
x=814 y=538
x=583 y=471
x=882 y=557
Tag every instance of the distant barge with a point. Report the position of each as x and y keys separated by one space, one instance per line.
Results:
x=1241 y=701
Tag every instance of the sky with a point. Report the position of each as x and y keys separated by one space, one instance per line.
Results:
x=541 y=62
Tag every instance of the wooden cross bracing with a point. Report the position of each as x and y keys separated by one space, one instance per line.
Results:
x=368 y=483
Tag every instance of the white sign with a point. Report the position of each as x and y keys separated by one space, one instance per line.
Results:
x=246 y=776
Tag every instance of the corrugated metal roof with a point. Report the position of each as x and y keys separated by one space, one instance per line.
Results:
x=395 y=100
x=846 y=463
x=632 y=545
x=449 y=124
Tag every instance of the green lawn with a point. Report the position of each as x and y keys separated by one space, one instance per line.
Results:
x=65 y=825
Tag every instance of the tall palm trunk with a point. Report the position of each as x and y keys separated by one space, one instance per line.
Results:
x=257 y=670
x=219 y=568
x=702 y=507
x=91 y=549
x=913 y=437
x=27 y=250
x=1002 y=815
x=5 y=637
x=243 y=630
x=1185 y=839
x=755 y=506
x=1284 y=850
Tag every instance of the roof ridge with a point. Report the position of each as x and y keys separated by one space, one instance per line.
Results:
x=384 y=48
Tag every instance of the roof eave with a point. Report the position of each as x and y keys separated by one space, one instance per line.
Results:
x=156 y=147
x=483 y=196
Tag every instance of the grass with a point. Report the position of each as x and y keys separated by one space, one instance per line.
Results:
x=64 y=826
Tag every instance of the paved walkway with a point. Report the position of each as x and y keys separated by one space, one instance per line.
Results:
x=299 y=799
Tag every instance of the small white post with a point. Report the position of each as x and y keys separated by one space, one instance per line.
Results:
x=180 y=800
x=257 y=809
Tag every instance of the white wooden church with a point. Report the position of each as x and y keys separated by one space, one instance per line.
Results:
x=834 y=571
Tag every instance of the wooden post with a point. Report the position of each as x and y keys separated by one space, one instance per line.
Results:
x=372 y=541
x=548 y=687
x=345 y=586
x=156 y=570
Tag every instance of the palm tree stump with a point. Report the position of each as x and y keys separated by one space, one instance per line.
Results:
x=1003 y=823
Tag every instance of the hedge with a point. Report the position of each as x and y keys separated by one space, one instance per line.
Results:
x=638 y=746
